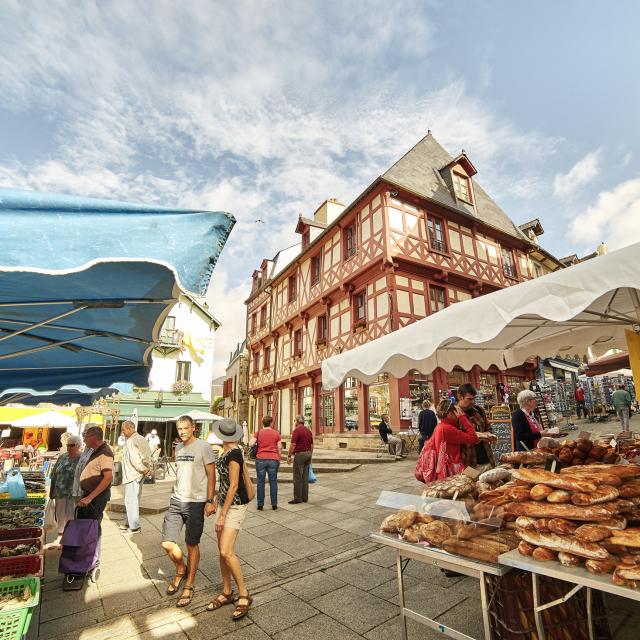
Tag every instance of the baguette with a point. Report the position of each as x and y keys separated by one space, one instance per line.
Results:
x=555 y=480
x=628 y=572
x=615 y=522
x=525 y=522
x=599 y=567
x=561 y=526
x=627 y=537
x=540 y=492
x=624 y=471
x=542 y=554
x=526 y=549
x=568 y=511
x=475 y=530
x=602 y=494
x=559 y=496
x=569 y=544
x=592 y=533
x=477 y=549
x=630 y=489
x=569 y=560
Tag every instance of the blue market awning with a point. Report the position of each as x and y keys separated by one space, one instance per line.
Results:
x=84 y=396
x=53 y=232
x=92 y=326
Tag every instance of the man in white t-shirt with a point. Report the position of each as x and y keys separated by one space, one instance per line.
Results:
x=193 y=498
x=153 y=440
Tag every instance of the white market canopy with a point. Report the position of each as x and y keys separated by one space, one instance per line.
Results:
x=200 y=416
x=53 y=419
x=587 y=306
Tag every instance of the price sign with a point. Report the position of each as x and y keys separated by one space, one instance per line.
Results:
x=501 y=429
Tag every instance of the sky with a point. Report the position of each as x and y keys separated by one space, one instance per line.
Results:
x=265 y=109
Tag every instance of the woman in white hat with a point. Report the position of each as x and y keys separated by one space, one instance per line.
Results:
x=234 y=502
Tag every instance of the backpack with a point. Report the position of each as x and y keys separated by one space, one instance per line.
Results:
x=435 y=463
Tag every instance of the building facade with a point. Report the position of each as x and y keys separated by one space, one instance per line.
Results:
x=422 y=236
x=235 y=389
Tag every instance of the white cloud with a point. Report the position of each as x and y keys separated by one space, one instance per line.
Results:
x=614 y=218
x=212 y=105
x=582 y=172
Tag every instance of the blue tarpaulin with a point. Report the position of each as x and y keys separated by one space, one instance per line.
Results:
x=84 y=396
x=52 y=232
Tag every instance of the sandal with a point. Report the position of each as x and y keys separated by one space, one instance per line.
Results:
x=242 y=609
x=220 y=601
x=174 y=588
x=185 y=600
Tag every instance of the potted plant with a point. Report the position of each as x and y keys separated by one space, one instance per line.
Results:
x=181 y=386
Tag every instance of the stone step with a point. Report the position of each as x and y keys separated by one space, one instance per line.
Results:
x=327 y=456
x=321 y=467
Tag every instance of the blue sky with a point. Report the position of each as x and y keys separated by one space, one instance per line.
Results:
x=265 y=109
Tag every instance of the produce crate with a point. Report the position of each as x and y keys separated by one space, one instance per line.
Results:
x=511 y=613
x=36 y=500
x=40 y=495
x=14 y=623
x=22 y=566
x=28 y=533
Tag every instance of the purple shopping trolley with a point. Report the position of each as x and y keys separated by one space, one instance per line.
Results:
x=80 y=553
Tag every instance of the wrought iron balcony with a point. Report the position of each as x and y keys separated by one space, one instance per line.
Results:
x=509 y=271
x=170 y=337
x=437 y=245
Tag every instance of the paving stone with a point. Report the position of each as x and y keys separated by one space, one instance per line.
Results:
x=71 y=623
x=212 y=624
x=361 y=574
x=265 y=529
x=171 y=631
x=268 y=559
x=392 y=629
x=354 y=608
x=326 y=515
x=382 y=557
x=319 y=626
x=313 y=586
x=281 y=613
x=342 y=507
x=251 y=632
x=248 y=544
x=355 y=525
x=294 y=543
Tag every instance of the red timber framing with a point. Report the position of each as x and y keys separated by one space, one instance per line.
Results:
x=403 y=274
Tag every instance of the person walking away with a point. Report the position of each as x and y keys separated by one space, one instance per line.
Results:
x=479 y=456
x=427 y=421
x=267 y=461
x=96 y=477
x=396 y=445
x=581 y=410
x=301 y=450
x=136 y=464
x=193 y=498
x=233 y=504
x=61 y=489
x=621 y=400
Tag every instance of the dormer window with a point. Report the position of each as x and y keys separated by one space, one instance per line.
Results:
x=462 y=186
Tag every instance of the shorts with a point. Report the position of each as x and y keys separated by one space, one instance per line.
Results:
x=187 y=514
x=235 y=516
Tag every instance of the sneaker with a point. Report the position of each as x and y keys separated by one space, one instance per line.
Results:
x=133 y=531
x=124 y=527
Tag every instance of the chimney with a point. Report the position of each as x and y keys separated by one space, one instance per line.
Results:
x=602 y=249
x=328 y=211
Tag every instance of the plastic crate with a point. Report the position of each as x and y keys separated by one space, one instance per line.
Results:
x=37 y=500
x=28 y=533
x=14 y=623
x=22 y=566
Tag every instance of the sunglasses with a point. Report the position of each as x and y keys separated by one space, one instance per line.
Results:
x=71 y=445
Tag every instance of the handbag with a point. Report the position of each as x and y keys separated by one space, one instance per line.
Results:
x=50 y=522
x=253 y=449
x=435 y=463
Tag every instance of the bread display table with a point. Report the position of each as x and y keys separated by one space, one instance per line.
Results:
x=406 y=551
x=578 y=576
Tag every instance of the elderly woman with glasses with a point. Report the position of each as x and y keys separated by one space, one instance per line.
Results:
x=61 y=490
x=527 y=431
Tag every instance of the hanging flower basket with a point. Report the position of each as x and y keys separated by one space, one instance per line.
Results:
x=181 y=386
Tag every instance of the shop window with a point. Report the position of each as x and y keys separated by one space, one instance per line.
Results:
x=322 y=329
x=437 y=236
x=263 y=315
x=293 y=288
x=360 y=308
x=378 y=399
x=488 y=382
x=268 y=404
x=437 y=298
x=256 y=361
x=267 y=358
x=183 y=371
x=315 y=270
x=306 y=405
x=350 y=243
x=462 y=187
x=508 y=263
x=351 y=404
x=297 y=343
x=326 y=412
x=420 y=388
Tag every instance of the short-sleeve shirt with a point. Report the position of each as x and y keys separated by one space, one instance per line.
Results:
x=62 y=475
x=191 y=471
x=302 y=438
x=101 y=460
x=222 y=465
x=268 y=444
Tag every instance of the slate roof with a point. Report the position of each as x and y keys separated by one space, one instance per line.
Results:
x=419 y=172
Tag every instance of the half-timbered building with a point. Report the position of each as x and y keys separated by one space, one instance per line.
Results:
x=422 y=236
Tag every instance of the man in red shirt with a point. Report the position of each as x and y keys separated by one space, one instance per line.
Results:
x=581 y=409
x=301 y=448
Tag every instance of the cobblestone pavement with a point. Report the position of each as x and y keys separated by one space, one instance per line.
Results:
x=311 y=568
